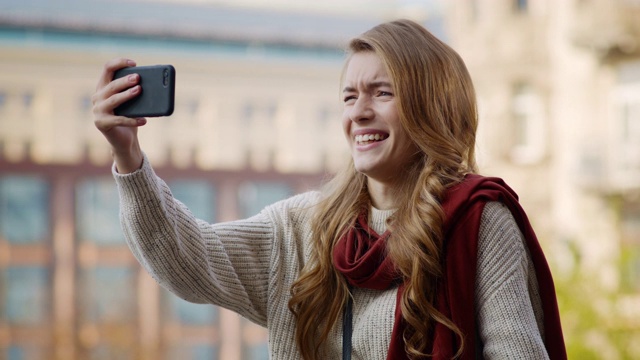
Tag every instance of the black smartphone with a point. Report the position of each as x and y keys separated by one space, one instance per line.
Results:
x=158 y=83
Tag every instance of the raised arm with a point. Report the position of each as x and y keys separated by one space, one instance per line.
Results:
x=225 y=264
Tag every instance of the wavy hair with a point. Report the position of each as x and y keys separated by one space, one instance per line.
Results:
x=437 y=108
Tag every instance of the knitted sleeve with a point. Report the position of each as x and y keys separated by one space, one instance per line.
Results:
x=225 y=264
x=507 y=300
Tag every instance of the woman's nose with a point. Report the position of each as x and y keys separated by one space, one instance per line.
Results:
x=361 y=110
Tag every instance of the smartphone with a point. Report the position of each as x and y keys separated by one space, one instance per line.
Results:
x=158 y=83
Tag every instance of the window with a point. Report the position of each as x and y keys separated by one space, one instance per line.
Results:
x=254 y=196
x=22 y=352
x=258 y=351
x=26 y=295
x=107 y=313
x=198 y=195
x=255 y=342
x=187 y=313
x=85 y=104
x=520 y=6
x=528 y=127
x=25 y=278
x=247 y=113
x=327 y=114
x=630 y=246
x=190 y=319
x=27 y=99
x=97 y=212
x=260 y=111
x=3 y=99
x=107 y=275
x=193 y=352
x=625 y=142
x=474 y=9
x=24 y=209
x=108 y=294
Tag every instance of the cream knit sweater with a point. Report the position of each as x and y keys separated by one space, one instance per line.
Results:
x=249 y=265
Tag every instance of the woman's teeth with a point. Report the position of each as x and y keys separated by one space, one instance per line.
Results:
x=367 y=138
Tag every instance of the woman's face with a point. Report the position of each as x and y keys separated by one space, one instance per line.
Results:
x=379 y=145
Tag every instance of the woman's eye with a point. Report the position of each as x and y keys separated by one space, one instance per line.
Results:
x=384 y=93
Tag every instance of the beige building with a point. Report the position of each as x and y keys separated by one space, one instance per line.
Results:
x=559 y=99
x=248 y=129
x=257 y=118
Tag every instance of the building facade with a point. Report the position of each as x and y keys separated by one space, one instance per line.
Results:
x=558 y=84
x=257 y=118
x=252 y=124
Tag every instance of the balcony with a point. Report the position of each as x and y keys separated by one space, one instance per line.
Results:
x=608 y=27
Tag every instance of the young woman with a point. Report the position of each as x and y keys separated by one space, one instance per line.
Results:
x=405 y=254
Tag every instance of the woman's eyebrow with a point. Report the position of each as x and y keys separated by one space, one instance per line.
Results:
x=371 y=85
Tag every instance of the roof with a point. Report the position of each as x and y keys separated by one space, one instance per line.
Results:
x=194 y=21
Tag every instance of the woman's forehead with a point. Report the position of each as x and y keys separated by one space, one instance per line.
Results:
x=365 y=67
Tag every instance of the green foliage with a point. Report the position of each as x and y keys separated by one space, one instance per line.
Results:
x=594 y=325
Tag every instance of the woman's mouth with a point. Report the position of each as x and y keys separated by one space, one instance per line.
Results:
x=369 y=138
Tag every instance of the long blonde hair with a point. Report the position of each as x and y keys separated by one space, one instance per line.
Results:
x=437 y=108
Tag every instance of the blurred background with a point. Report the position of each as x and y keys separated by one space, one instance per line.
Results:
x=257 y=119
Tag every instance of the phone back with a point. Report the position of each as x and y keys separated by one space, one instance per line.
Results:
x=158 y=91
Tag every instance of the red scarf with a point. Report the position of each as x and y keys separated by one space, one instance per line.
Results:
x=361 y=257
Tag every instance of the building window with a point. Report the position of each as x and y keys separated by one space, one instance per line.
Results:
x=26 y=295
x=108 y=294
x=24 y=209
x=107 y=274
x=25 y=279
x=27 y=99
x=195 y=328
x=97 y=212
x=191 y=319
x=186 y=313
x=629 y=133
x=107 y=312
x=254 y=196
x=247 y=113
x=474 y=10
x=630 y=246
x=528 y=128
x=22 y=352
x=520 y=6
x=255 y=342
x=85 y=104
x=198 y=195
x=259 y=351
x=3 y=99
x=193 y=352
x=625 y=143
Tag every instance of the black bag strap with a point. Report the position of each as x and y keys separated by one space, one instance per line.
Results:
x=347 y=329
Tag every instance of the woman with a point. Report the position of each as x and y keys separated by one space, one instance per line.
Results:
x=405 y=254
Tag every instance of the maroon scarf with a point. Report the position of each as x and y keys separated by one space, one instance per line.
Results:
x=361 y=257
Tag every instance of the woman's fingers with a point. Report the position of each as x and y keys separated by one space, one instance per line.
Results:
x=114 y=94
x=111 y=93
x=106 y=123
x=111 y=67
x=120 y=131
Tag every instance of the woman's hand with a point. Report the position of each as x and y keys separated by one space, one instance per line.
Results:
x=120 y=131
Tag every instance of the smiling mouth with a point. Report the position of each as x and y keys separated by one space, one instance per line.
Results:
x=369 y=138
